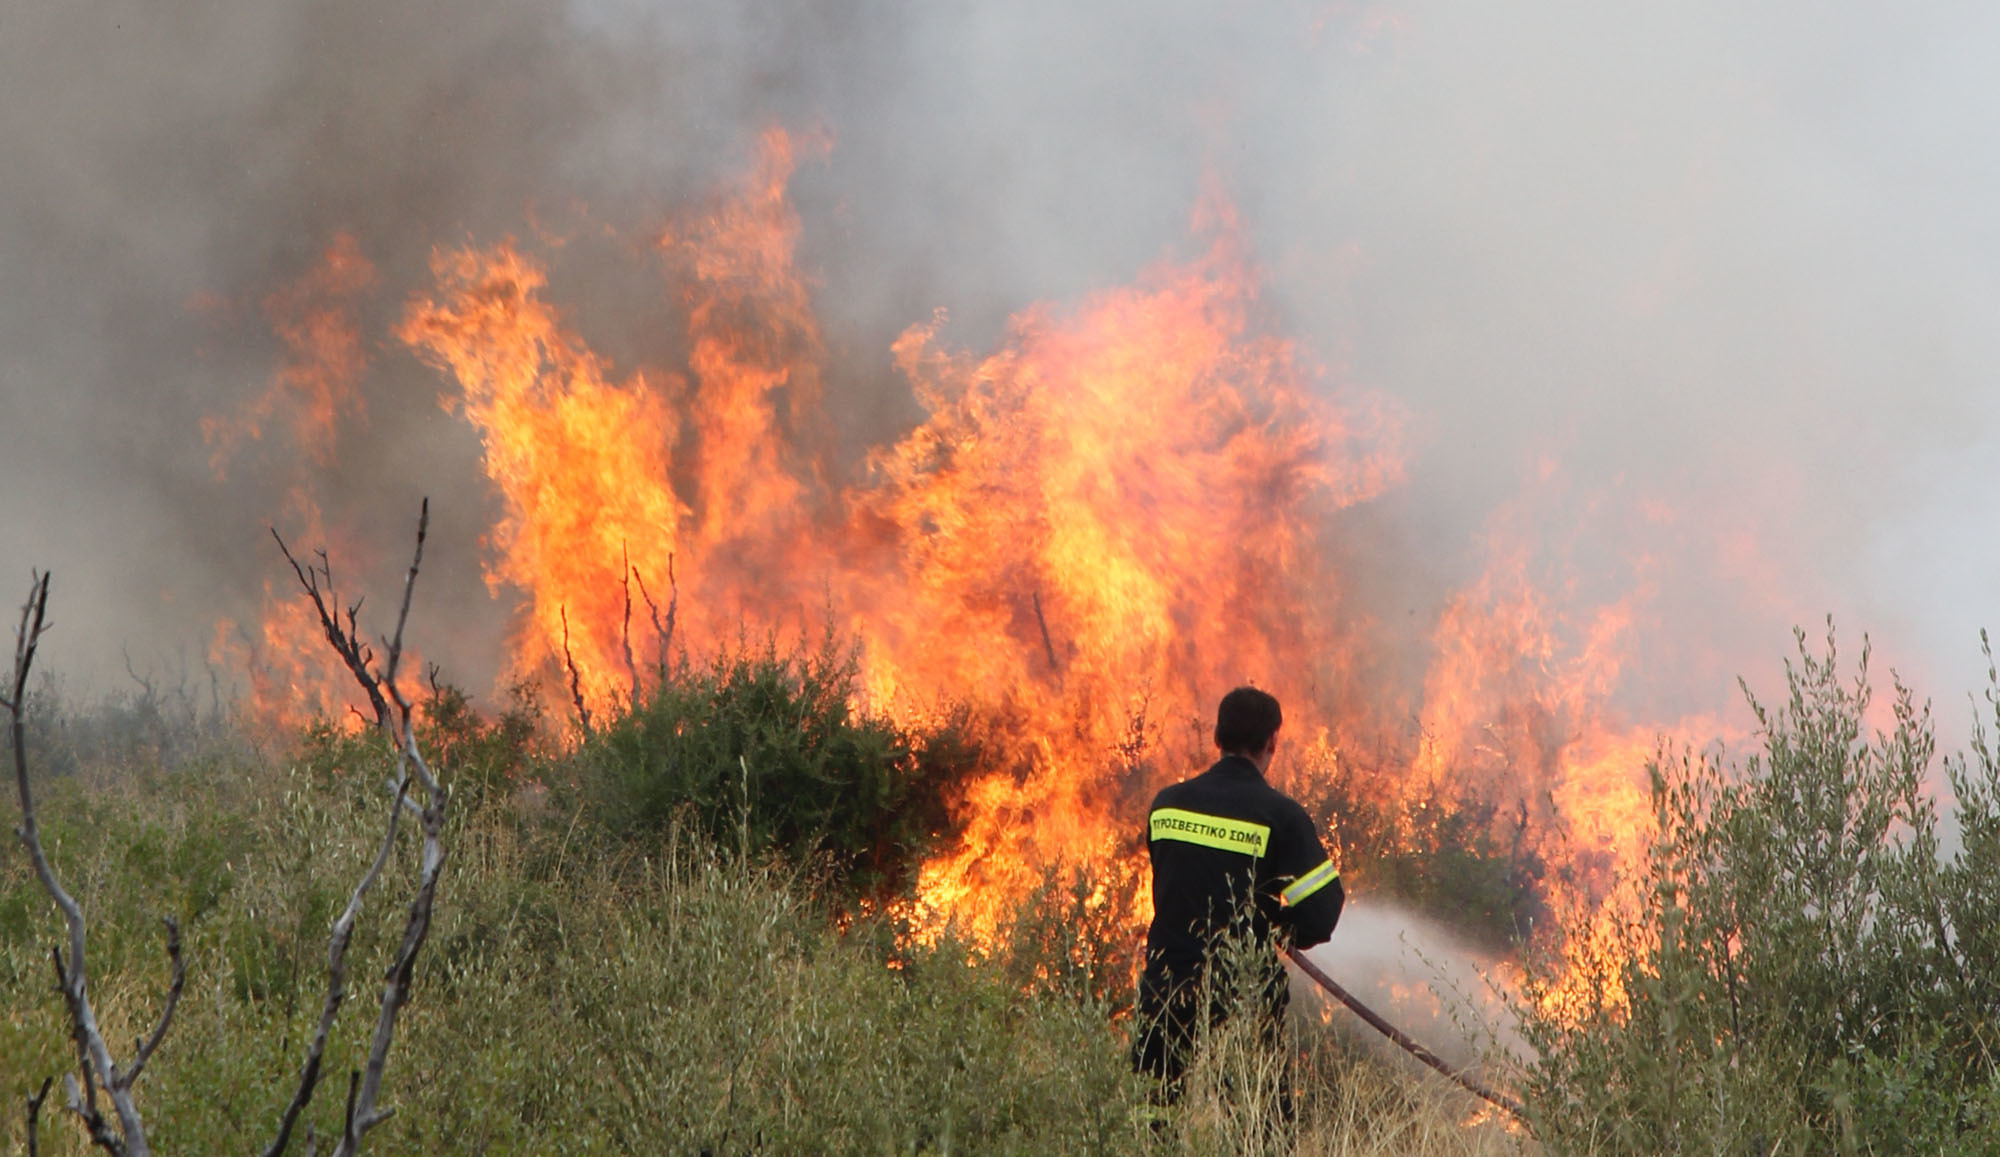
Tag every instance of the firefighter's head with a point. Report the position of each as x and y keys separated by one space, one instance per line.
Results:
x=1247 y=724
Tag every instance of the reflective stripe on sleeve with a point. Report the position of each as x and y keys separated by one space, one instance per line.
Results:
x=1309 y=883
x=1171 y=823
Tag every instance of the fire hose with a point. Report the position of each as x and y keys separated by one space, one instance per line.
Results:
x=1402 y=1039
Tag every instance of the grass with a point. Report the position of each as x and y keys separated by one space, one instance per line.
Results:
x=586 y=991
x=1810 y=967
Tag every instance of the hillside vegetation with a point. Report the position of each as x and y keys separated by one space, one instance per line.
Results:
x=673 y=937
x=626 y=958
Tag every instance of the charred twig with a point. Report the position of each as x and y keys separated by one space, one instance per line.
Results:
x=94 y=1056
x=409 y=590
x=83 y=1102
x=663 y=634
x=575 y=677
x=1729 y=976
x=35 y=1116
x=1048 y=644
x=346 y=640
x=89 y=1096
x=349 y=1139
x=145 y=683
x=1402 y=1039
x=625 y=625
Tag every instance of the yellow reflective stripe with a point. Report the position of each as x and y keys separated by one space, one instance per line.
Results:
x=1171 y=823
x=1309 y=883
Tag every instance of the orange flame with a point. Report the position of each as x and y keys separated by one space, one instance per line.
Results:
x=1104 y=523
x=583 y=463
x=1097 y=527
x=290 y=675
x=325 y=359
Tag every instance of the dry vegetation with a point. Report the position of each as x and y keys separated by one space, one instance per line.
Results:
x=639 y=946
x=584 y=991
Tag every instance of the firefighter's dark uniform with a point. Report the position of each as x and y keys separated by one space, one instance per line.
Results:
x=1230 y=853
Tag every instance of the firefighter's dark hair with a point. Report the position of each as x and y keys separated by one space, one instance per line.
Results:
x=1246 y=721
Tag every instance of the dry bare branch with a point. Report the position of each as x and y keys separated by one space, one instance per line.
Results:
x=346 y=640
x=336 y=986
x=1048 y=644
x=409 y=590
x=83 y=1102
x=625 y=625
x=88 y=1098
x=398 y=721
x=417 y=926
x=575 y=677
x=94 y=1056
x=144 y=1050
x=349 y=1139
x=35 y=1116
x=663 y=634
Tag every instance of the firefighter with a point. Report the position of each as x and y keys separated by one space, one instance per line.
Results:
x=1232 y=857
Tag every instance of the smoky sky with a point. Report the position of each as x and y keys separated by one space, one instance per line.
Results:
x=1733 y=264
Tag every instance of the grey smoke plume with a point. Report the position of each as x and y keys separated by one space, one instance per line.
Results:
x=1732 y=266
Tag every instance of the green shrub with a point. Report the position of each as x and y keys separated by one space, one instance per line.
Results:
x=1806 y=970
x=762 y=751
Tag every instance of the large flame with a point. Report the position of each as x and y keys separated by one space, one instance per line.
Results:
x=583 y=463
x=1103 y=523
x=1099 y=524
x=1095 y=529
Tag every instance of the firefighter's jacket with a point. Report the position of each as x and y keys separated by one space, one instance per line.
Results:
x=1231 y=851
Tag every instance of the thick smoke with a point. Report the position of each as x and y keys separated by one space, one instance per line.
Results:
x=1705 y=295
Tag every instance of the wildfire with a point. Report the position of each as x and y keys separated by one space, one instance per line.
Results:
x=583 y=463
x=283 y=657
x=1095 y=528
x=325 y=359
x=317 y=386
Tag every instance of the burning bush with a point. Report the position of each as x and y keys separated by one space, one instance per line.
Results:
x=1805 y=969
x=1457 y=857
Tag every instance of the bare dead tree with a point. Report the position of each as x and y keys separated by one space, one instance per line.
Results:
x=94 y=1061
x=336 y=979
x=345 y=640
x=396 y=717
x=575 y=677
x=663 y=633
x=625 y=627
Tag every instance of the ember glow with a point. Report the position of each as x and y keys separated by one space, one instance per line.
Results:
x=1124 y=508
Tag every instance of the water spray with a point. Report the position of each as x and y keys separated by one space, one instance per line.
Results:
x=1402 y=1039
